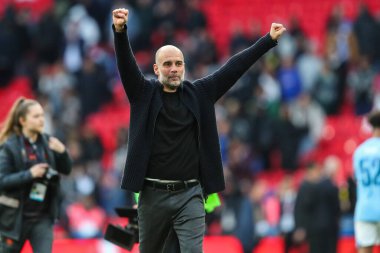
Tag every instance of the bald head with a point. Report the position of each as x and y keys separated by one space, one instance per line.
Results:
x=168 y=50
x=169 y=67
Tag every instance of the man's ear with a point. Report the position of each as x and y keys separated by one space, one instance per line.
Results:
x=155 y=69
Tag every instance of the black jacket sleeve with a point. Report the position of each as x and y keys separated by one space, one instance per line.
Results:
x=218 y=83
x=131 y=76
x=10 y=178
x=63 y=162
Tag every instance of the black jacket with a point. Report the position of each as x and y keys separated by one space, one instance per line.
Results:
x=199 y=97
x=14 y=175
x=317 y=207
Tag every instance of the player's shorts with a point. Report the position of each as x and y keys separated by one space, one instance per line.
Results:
x=367 y=233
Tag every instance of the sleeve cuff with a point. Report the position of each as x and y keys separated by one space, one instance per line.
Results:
x=269 y=39
x=122 y=31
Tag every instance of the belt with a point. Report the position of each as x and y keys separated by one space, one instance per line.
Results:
x=170 y=185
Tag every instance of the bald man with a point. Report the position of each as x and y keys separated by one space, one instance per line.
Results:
x=173 y=156
x=169 y=67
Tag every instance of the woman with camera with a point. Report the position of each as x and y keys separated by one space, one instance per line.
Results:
x=30 y=163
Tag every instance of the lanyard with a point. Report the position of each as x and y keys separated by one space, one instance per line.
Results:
x=38 y=150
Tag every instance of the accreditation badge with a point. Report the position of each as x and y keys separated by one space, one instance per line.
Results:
x=38 y=191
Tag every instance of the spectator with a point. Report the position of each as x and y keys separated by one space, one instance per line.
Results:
x=288 y=137
x=361 y=82
x=308 y=115
x=317 y=212
x=287 y=195
x=290 y=80
x=340 y=48
x=91 y=145
x=92 y=87
x=325 y=90
x=49 y=45
x=366 y=31
x=10 y=46
x=309 y=66
x=53 y=82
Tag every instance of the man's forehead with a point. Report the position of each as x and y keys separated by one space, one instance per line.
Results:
x=168 y=52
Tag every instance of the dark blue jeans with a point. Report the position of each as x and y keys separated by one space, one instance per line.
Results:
x=163 y=212
x=39 y=233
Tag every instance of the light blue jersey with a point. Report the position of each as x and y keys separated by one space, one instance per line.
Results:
x=367 y=173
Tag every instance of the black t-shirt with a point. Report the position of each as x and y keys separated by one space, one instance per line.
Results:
x=35 y=208
x=175 y=154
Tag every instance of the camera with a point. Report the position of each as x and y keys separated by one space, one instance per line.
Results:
x=51 y=174
x=124 y=237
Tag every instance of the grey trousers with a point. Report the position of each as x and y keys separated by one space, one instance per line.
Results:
x=161 y=212
x=39 y=234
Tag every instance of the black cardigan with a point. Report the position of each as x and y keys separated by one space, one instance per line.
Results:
x=199 y=97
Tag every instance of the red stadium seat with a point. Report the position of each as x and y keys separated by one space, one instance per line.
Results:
x=269 y=245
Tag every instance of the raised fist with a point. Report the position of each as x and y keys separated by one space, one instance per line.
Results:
x=276 y=31
x=119 y=18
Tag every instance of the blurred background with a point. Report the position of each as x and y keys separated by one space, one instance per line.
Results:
x=298 y=110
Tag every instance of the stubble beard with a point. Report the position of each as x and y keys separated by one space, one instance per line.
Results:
x=172 y=85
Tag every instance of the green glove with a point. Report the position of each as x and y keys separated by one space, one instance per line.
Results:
x=212 y=202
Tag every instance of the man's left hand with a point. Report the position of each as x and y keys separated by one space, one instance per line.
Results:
x=276 y=31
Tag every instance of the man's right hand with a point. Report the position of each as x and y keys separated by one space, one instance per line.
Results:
x=119 y=18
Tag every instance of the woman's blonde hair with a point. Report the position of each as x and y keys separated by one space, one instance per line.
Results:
x=11 y=123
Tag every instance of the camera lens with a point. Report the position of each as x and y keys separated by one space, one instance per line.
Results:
x=51 y=174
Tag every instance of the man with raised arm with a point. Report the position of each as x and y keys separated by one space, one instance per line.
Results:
x=173 y=155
